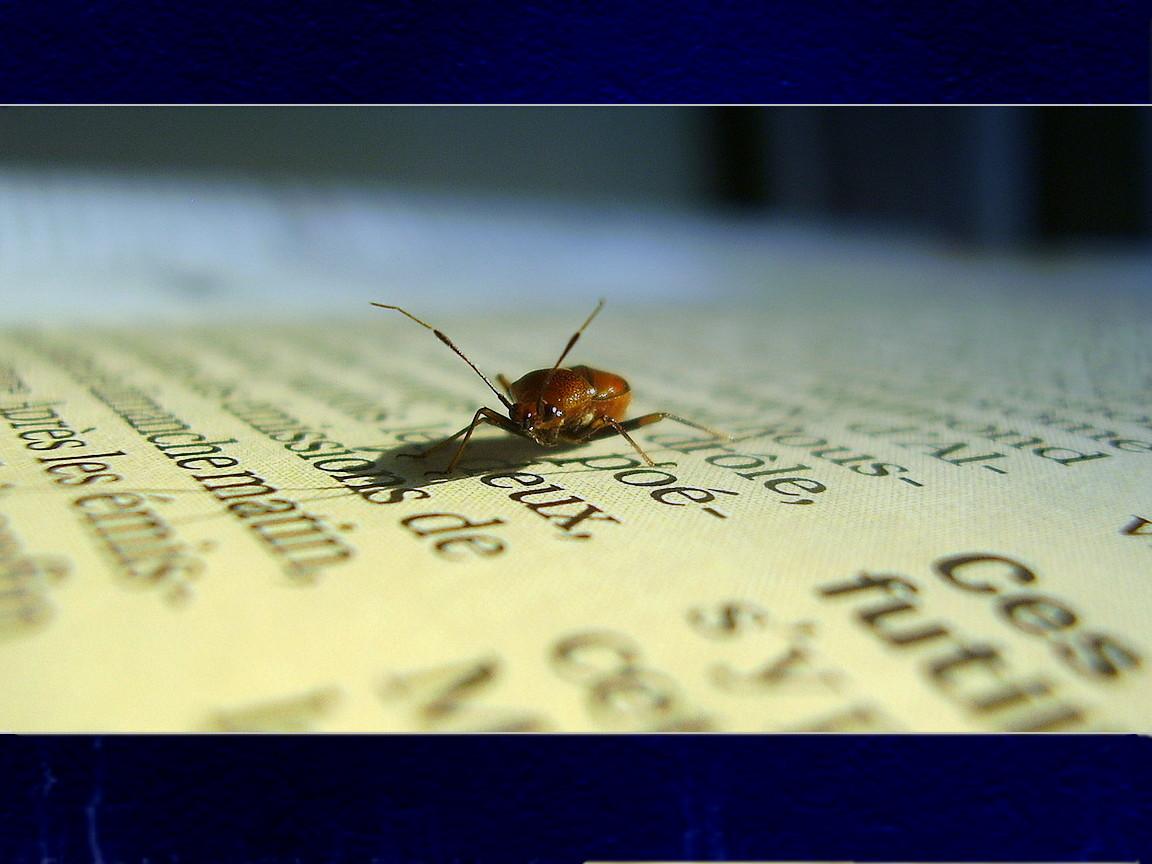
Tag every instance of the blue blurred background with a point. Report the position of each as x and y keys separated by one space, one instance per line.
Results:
x=986 y=176
x=169 y=211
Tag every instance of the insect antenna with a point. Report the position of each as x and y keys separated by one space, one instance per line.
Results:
x=571 y=342
x=443 y=338
x=576 y=335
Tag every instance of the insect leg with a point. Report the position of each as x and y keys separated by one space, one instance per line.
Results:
x=478 y=417
x=484 y=415
x=505 y=383
x=433 y=448
x=649 y=419
x=614 y=427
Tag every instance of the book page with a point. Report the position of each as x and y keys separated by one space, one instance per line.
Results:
x=932 y=513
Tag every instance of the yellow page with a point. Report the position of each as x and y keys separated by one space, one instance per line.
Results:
x=932 y=515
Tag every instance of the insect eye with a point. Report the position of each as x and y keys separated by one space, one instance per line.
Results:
x=551 y=412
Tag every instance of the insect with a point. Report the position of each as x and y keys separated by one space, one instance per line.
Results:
x=557 y=405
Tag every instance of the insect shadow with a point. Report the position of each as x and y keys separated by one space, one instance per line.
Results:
x=399 y=467
x=411 y=467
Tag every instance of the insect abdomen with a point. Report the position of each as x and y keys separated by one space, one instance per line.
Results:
x=613 y=394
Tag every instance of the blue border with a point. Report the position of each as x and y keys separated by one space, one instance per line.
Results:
x=570 y=798
x=674 y=51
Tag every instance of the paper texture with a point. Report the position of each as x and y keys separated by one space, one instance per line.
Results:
x=934 y=515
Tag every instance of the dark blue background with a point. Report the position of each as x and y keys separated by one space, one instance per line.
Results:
x=590 y=51
x=567 y=799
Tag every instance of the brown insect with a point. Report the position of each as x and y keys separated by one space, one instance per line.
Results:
x=557 y=405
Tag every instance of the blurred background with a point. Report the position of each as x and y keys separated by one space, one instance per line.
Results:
x=998 y=175
x=648 y=202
